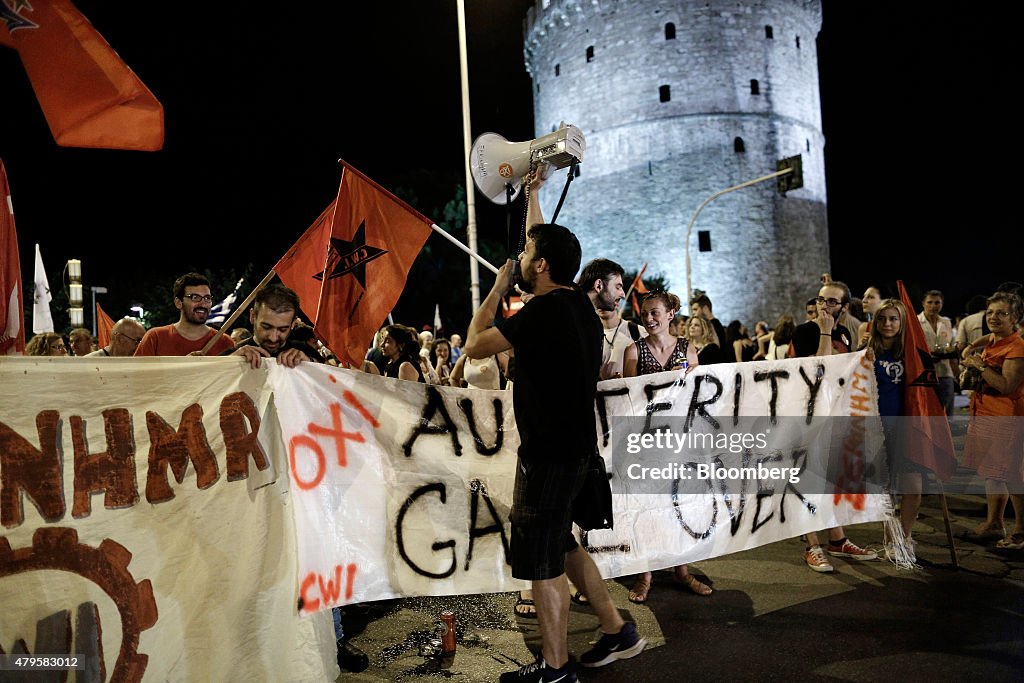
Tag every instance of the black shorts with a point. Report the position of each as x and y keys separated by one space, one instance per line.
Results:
x=542 y=516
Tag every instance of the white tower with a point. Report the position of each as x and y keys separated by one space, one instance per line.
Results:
x=679 y=100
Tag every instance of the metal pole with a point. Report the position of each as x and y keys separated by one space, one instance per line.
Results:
x=689 y=228
x=474 y=271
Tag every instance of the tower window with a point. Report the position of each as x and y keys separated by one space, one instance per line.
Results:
x=590 y=53
x=808 y=145
x=664 y=93
x=798 y=42
x=755 y=87
x=704 y=240
x=738 y=146
x=670 y=31
x=558 y=69
x=768 y=33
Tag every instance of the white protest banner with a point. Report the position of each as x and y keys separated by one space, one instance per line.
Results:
x=404 y=489
x=142 y=527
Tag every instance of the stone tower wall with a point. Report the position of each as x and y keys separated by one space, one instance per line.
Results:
x=649 y=164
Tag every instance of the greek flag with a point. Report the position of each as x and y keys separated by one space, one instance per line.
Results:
x=220 y=312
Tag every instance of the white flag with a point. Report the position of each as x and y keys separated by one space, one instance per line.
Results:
x=437 y=320
x=42 y=321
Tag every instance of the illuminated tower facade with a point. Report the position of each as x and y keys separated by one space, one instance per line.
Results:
x=679 y=100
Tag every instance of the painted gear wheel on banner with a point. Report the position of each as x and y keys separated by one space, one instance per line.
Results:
x=57 y=548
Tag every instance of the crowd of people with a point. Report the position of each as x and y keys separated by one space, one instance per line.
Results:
x=582 y=317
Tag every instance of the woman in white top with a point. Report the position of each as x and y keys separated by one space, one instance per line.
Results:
x=484 y=373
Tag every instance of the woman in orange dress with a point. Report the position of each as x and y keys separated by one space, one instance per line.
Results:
x=995 y=441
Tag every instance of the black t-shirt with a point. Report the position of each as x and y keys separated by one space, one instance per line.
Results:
x=710 y=355
x=557 y=342
x=805 y=340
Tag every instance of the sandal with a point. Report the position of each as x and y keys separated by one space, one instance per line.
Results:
x=695 y=585
x=984 y=536
x=577 y=596
x=638 y=593
x=1012 y=542
x=525 y=608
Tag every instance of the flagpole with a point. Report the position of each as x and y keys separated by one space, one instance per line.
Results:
x=632 y=285
x=238 y=311
x=474 y=272
x=484 y=262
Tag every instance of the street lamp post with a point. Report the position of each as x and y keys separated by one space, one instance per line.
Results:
x=95 y=291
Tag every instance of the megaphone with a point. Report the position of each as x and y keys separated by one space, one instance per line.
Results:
x=496 y=163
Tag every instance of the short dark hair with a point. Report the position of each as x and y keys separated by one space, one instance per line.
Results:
x=933 y=292
x=1011 y=287
x=189 y=280
x=839 y=285
x=559 y=247
x=813 y=301
x=702 y=300
x=598 y=269
x=277 y=298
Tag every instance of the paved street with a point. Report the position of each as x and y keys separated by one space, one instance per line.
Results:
x=770 y=618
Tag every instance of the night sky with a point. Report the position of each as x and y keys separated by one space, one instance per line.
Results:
x=260 y=106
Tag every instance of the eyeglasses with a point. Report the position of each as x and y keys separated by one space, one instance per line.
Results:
x=196 y=298
x=132 y=339
x=828 y=302
x=998 y=314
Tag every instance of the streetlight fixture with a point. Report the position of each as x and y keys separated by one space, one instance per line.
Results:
x=95 y=311
x=75 y=294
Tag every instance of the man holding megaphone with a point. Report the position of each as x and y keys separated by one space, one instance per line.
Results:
x=557 y=341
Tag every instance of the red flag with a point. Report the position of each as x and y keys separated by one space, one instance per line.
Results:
x=12 y=312
x=306 y=258
x=372 y=241
x=637 y=287
x=89 y=96
x=104 y=325
x=928 y=442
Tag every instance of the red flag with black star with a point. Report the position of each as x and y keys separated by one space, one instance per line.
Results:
x=90 y=98
x=306 y=258
x=372 y=241
x=929 y=442
x=12 y=314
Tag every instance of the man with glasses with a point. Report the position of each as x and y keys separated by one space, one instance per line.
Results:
x=124 y=339
x=190 y=334
x=824 y=336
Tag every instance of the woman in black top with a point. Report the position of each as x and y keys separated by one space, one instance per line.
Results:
x=401 y=347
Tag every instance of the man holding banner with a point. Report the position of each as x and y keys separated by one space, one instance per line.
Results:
x=556 y=337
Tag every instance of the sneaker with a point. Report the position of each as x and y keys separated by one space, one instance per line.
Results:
x=622 y=645
x=816 y=560
x=351 y=658
x=902 y=552
x=851 y=551
x=539 y=672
